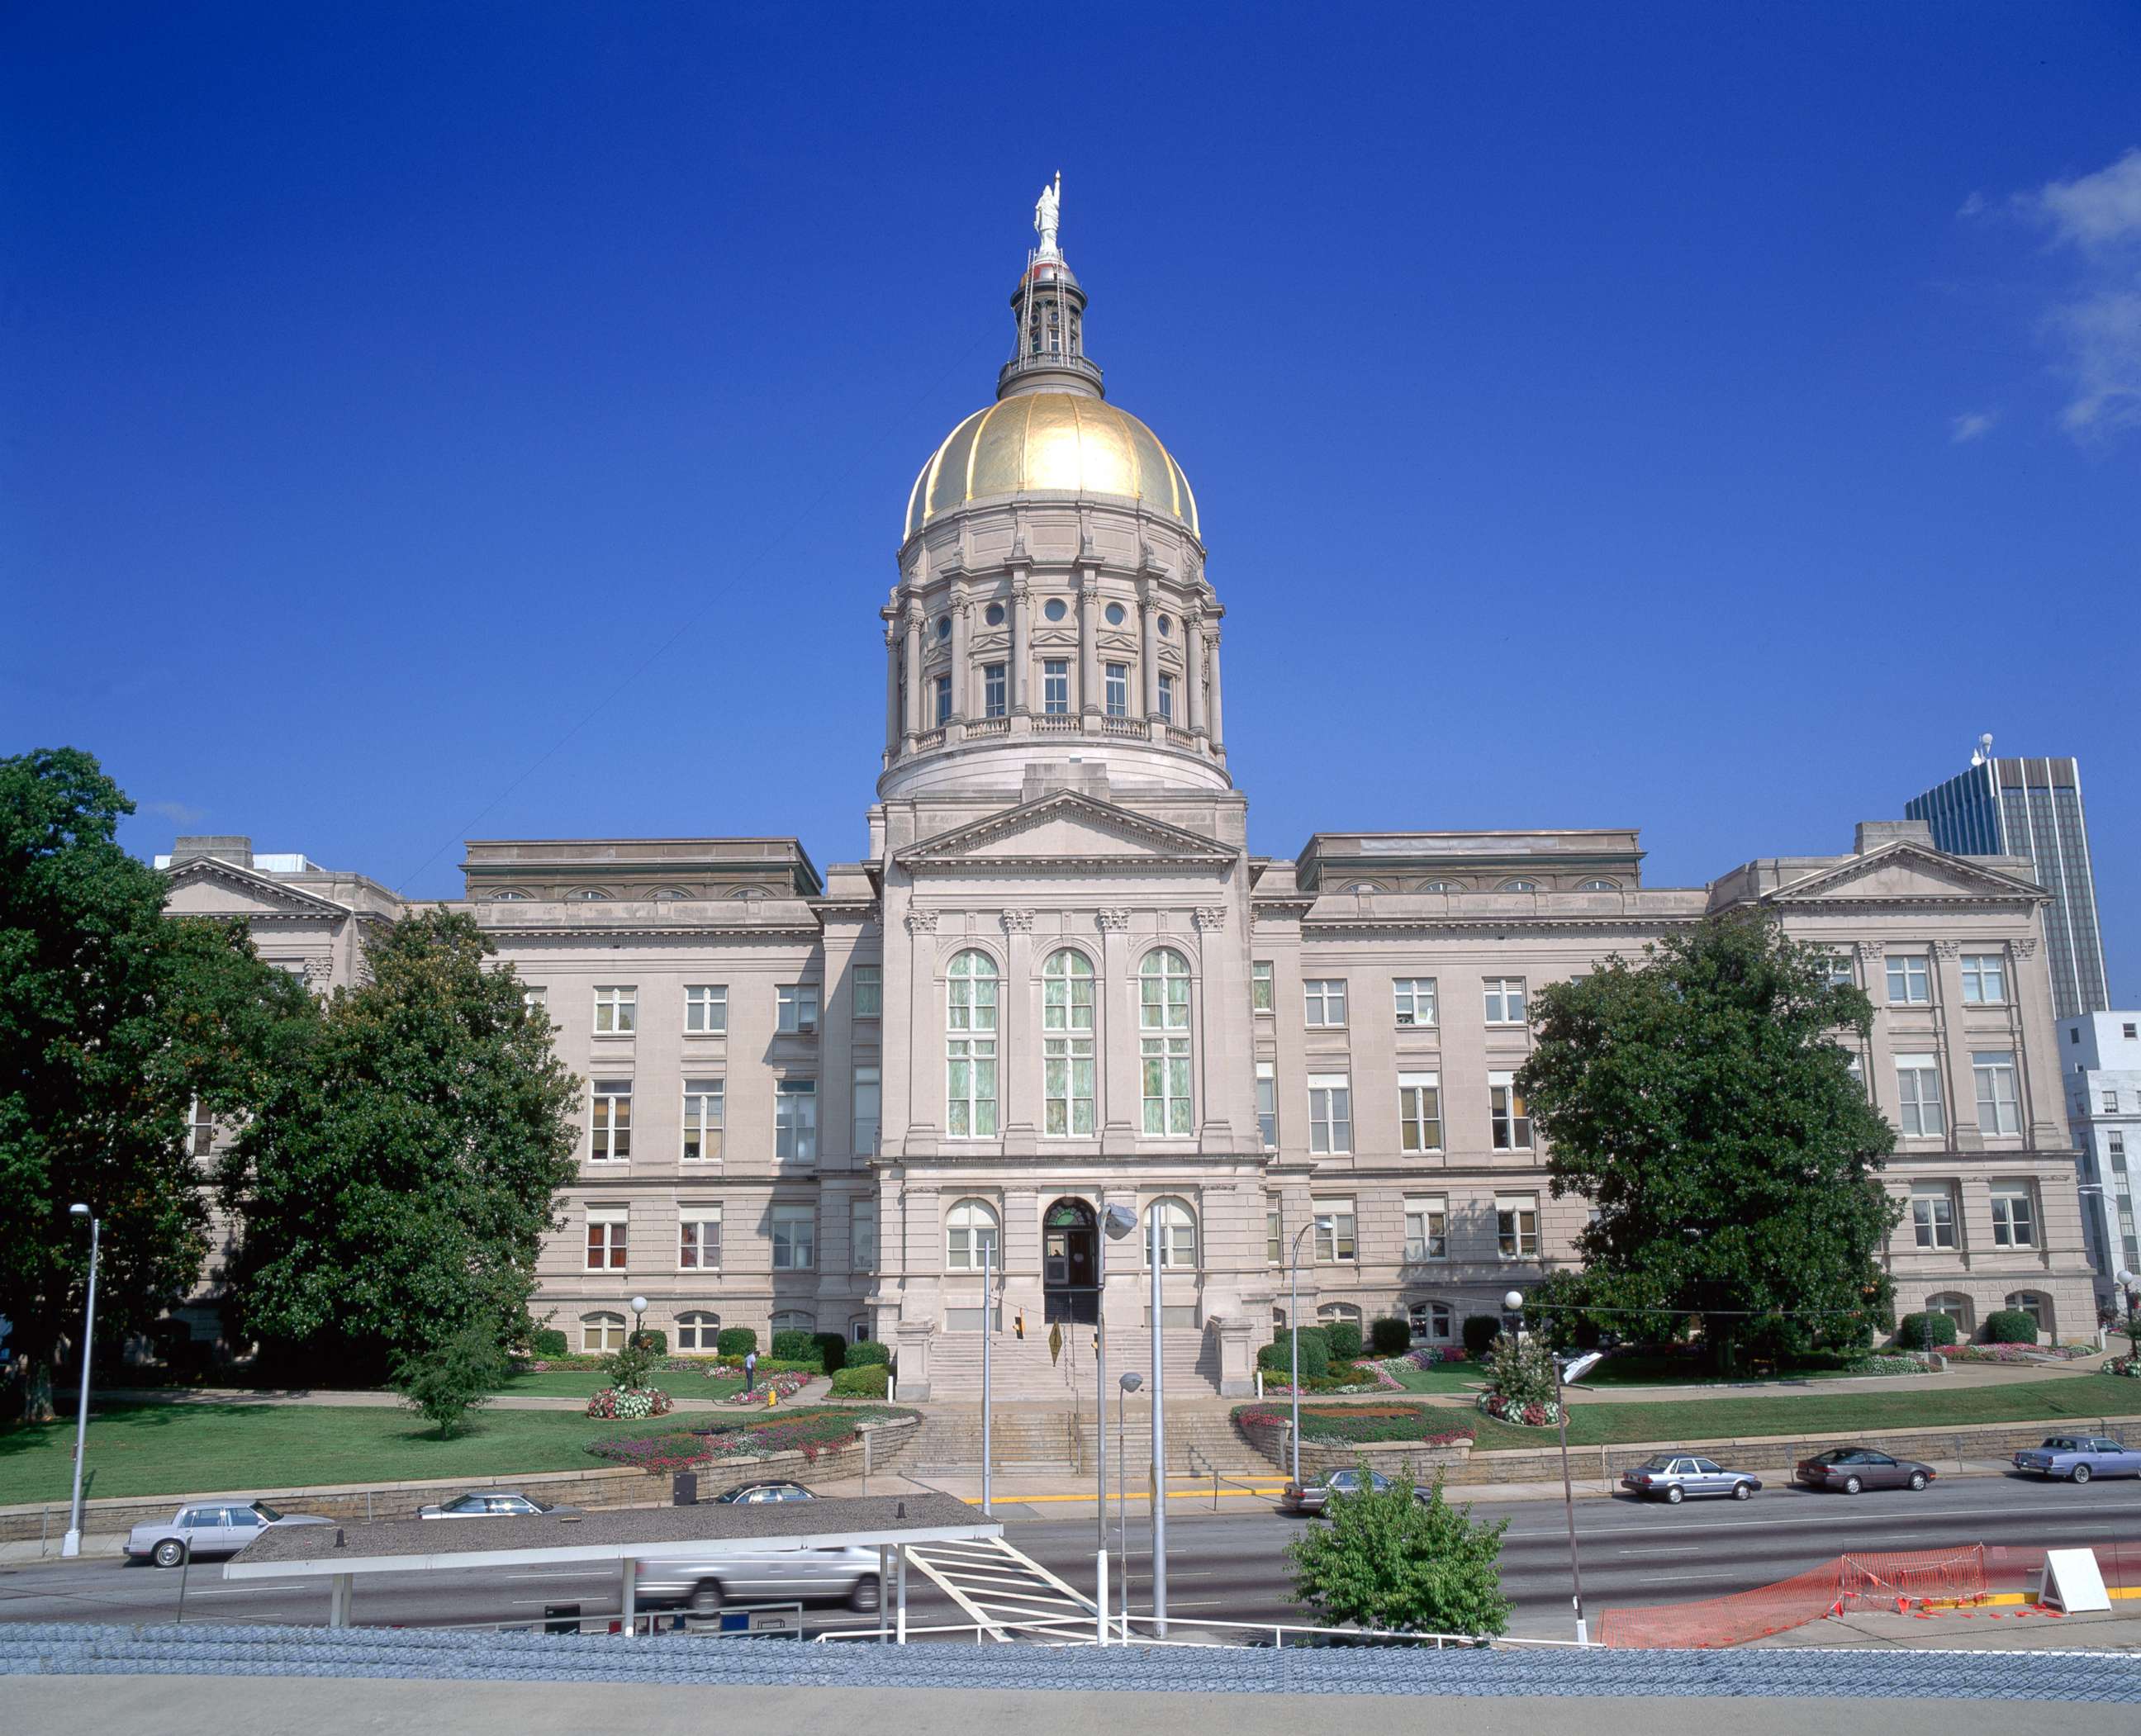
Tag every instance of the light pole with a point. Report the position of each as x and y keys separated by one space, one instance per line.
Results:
x=638 y=1313
x=1158 y=1444
x=70 y=1545
x=1131 y=1383
x=1293 y=1330
x=1116 y=1222
x=1515 y=1301
x=988 y=1332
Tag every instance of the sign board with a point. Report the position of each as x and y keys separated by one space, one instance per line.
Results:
x=781 y=1621
x=2072 y=1581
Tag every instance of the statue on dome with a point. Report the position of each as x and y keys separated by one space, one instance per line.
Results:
x=1045 y=209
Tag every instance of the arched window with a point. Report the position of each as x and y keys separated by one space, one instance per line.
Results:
x=509 y=897
x=671 y=895
x=1364 y=886
x=698 y=1331
x=588 y=895
x=859 y=1329
x=1957 y=1307
x=2037 y=1306
x=1066 y=1043
x=794 y=1319
x=1430 y=1320
x=1442 y=886
x=970 y=1048
x=1518 y=886
x=1599 y=886
x=748 y=891
x=1178 y=1234
x=1164 y=1039
x=1339 y=1311
x=970 y=1228
x=601 y=1333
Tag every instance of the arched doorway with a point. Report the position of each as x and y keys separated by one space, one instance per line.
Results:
x=1069 y=1270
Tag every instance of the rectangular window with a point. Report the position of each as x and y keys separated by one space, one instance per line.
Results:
x=1055 y=687
x=794 y=1238
x=702 y=1120
x=1909 y=980
x=606 y=1225
x=1516 y=1225
x=1165 y=1065
x=1167 y=698
x=2014 y=1215
x=706 y=1009
x=1334 y=1242
x=1933 y=1215
x=1427 y=1229
x=1984 y=979
x=1419 y=1111
x=796 y=1120
x=1415 y=1000
x=1840 y=970
x=1260 y=986
x=1118 y=690
x=2111 y=1103
x=1511 y=1122
x=1267 y=1104
x=2114 y=1147
x=201 y=1129
x=941 y=686
x=699 y=1238
x=970 y=1087
x=861 y=1234
x=536 y=998
x=1330 y=1113
x=996 y=692
x=1999 y=1111
x=1274 y=1236
x=617 y=1011
x=869 y=991
x=1505 y=1000
x=1325 y=999
x=798 y=1007
x=1917 y=1086
x=610 y=1106
x=1066 y=1063
x=869 y=1094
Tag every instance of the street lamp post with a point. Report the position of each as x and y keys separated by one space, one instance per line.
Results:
x=638 y=1314
x=1515 y=1301
x=988 y=1332
x=1129 y=1384
x=70 y=1545
x=1158 y=1444
x=1116 y=1222
x=1293 y=1329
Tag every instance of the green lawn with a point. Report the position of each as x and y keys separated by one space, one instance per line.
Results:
x=1444 y=1377
x=1622 y=1368
x=585 y=1383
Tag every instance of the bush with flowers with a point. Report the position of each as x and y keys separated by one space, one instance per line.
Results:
x=1525 y=1414
x=1521 y=1387
x=1333 y=1425
x=2129 y=1366
x=630 y=1403
x=785 y=1384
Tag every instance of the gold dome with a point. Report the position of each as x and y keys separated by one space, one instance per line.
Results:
x=1050 y=440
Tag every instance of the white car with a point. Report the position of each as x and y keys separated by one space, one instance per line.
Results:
x=494 y=1504
x=206 y=1528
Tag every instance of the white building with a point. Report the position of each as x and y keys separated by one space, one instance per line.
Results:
x=2100 y=1056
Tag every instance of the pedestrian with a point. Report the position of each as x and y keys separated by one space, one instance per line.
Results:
x=750 y=1371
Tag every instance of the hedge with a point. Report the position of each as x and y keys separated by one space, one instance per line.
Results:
x=2010 y=1326
x=655 y=1339
x=1925 y=1331
x=547 y=1341
x=1276 y=1358
x=736 y=1341
x=1480 y=1332
x=1344 y=1340
x=832 y=1351
x=870 y=1380
x=1390 y=1336
x=794 y=1346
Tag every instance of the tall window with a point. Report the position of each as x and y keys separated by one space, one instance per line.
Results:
x=1415 y=1000
x=868 y=1094
x=995 y=693
x=699 y=1238
x=794 y=1237
x=1166 y=698
x=1511 y=1121
x=616 y=1010
x=606 y=1226
x=2014 y=1215
x=1919 y=1112
x=1267 y=1104
x=1427 y=1222
x=1984 y=979
x=1067 y=1044
x=1420 y=1111
x=610 y=1113
x=1260 y=986
x=1505 y=1000
x=1909 y=980
x=1516 y=1225
x=706 y=1009
x=201 y=1129
x=1164 y=1039
x=1178 y=1234
x=970 y=1238
x=702 y=1120
x=1330 y=1113
x=1118 y=690
x=797 y=1006
x=796 y=1120
x=1999 y=1111
x=869 y=991
x=1275 y=1249
x=861 y=1234
x=1335 y=1241
x=970 y=1050
x=1933 y=1215
x=1323 y=1000
x=536 y=998
x=941 y=688
x=1055 y=687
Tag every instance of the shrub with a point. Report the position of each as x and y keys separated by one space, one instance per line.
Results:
x=1276 y=1358
x=832 y=1351
x=547 y=1341
x=736 y=1341
x=630 y=1404
x=794 y=1346
x=869 y=1354
x=1925 y=1331
x=655 y=1340
x=2010 y=1326
x=870 y=1380
x=444 y=1380
x=1480 y=1332
x=1345 y=1337
x=1520 y=1372
x=1390 y=1336
x=1391 y=1560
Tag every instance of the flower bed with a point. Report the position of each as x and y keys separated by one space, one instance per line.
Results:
x=1904 y=1364
x=1428 y=1356
x=1344 y=1378
x=808 y=1432
x=2013 y=1353
x=1532 y=1415
x=2129 y=1366
x=787 y=1386
x=630 y=1403
x=1359 y=1424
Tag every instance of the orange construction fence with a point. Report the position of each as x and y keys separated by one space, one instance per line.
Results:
x=1849 y=1581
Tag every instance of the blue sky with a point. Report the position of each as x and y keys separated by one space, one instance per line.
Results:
x=434 y=421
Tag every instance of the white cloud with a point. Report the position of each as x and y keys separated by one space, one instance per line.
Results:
x=177 y=813
x=1973 y=425
x=2102 y=333
x=2096 y=210
x=1970 y=207
x=2096 y=326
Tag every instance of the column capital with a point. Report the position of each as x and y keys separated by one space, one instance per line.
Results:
x=1019 y=587
x=1018 y=921
x=921 y=921
x=1113 y=920
x=1209 y=918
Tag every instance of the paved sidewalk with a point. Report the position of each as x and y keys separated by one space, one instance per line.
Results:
x=372 y=1399
x=1981 y=1630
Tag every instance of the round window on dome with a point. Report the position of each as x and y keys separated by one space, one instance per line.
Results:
x=944 y=628
x=993 y=614
x=1166 y=626
x=1115 y=614
x=1056 y=608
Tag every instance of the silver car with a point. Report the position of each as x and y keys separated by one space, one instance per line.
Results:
x=846 y=1575
x=495 y=1504
x=207 y=1528
x=1678 y=1477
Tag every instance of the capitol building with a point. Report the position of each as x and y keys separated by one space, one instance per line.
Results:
x=1062 y=978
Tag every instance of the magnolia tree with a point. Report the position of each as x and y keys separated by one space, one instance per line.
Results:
x=1390 y=1560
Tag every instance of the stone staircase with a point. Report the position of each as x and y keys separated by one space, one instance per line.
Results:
x=1040 y=1437
x=1022 y=1370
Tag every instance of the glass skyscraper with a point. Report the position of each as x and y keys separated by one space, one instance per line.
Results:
x=2031 y=807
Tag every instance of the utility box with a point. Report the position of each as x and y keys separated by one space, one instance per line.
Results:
x=684 y=1490
x=561 y=1618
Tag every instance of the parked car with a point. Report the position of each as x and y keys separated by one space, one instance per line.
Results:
x=2080 y=1456
x=1678 y=1477
x=1853 y=1468
x=769 y=1489
x=845 y=1575
x=494 y=1504
x=1312 y=1494
x=207 y=1528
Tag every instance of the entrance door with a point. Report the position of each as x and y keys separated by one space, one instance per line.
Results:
x=1069 y=1272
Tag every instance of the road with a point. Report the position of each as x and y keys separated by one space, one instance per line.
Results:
x=1228 y=1565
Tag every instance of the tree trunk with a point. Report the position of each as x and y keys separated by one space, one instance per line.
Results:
x=34 y=1390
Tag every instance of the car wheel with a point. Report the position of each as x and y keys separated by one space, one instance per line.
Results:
x=168 y=1553
x=706 y=1597
x=1918 y=1479
x=1742 y=1491
x=1674 y=1495
x=2081 y=1473
x=864 y=1597
x=1852 y=1485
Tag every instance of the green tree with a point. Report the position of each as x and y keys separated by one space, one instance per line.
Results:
x=1701 y=1102
x=395 y=1190
x=113 y=1020
x=1389 y=1560
x=445 y=1379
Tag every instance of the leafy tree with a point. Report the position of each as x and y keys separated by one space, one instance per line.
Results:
x=1389 y=1560
x=631 y=1368
x=1702 y=1104
x=113 y=1019
x=395 y=1190
x=444 y=1379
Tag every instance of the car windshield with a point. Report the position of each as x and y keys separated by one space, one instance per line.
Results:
x=543 y=1506
x=268 y=1516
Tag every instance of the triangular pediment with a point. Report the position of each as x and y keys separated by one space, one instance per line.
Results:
x=205 y=887
x=1067 y=828
x=1906 y=873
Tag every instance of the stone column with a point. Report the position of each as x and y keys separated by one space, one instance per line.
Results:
x=1089 y=672
x=925 y=1065
x=1017 y=1042
x=1022 y=606
x=1192 y=649
x=891 y=686
x=913 y=675
x=1117 y=1110
x=1148 y=621
x=1211 y=649
x=963 y=631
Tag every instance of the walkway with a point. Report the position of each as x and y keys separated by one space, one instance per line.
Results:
x=372 y=1399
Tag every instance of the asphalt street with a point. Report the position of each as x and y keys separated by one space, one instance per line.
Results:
x=1228 y=1565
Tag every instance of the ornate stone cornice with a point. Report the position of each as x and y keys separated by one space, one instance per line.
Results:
x=1157 y=842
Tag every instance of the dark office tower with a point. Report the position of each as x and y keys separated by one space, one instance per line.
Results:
x=2031 y=807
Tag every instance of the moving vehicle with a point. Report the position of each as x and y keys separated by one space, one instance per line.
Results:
x=2078 y=1457
x=207 y=1528
x=1312 y=1494
x=1853 y=1468
x=494 y=1504
x=848 y=1575
x=766 y=1489
x=1678 y=1477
